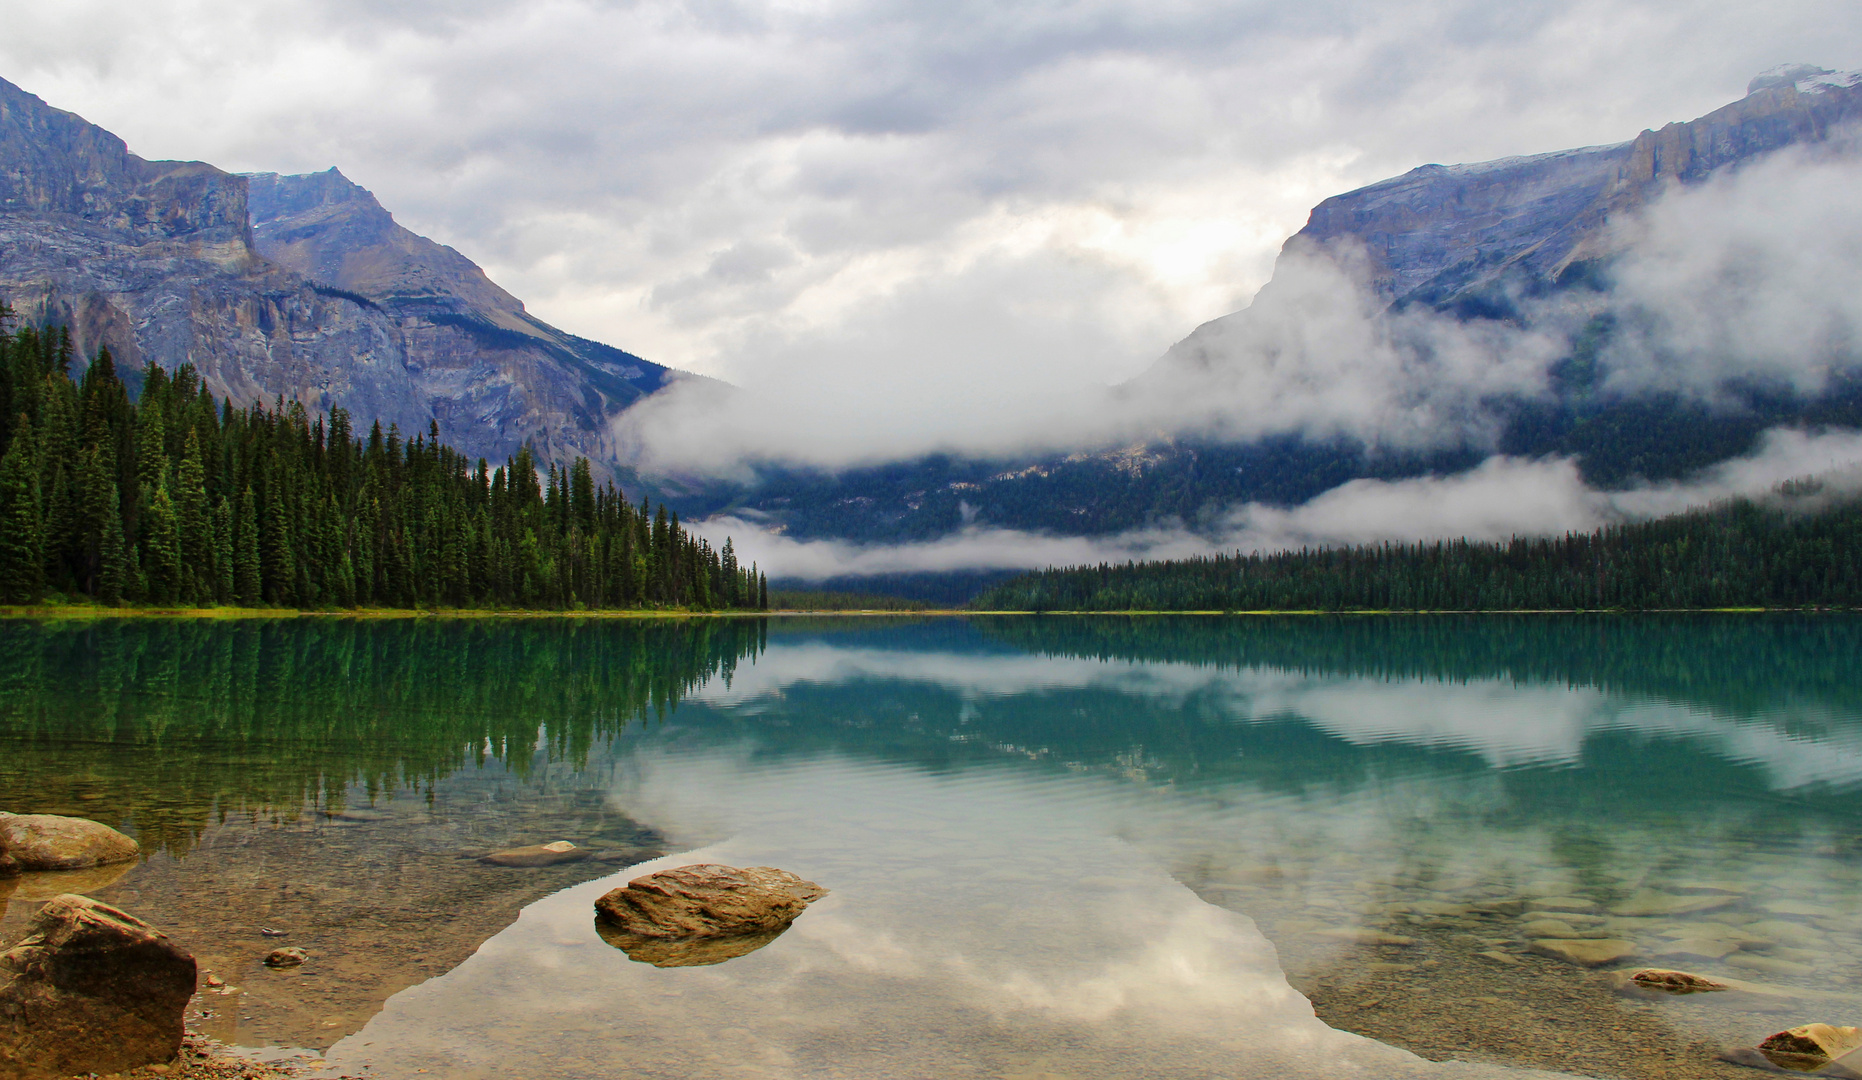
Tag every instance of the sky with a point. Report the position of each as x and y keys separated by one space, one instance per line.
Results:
x=904 y=226
x=899 y=197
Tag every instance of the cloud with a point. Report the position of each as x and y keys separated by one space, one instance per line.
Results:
x=905 y=226
x=1501 y=498
x=1756 y=273
x=1751 y=276
x=594 y=154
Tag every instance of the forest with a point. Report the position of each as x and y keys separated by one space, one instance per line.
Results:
x=177 y=499
x=1798 y=549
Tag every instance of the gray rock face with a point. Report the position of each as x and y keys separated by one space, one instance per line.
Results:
x=39 y=842
x=484 y=364
x=90 y=990
x=296 y=287
x=1439 y=234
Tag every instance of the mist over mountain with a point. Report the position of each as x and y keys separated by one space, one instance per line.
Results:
x=1598 y=326
x=300 y=287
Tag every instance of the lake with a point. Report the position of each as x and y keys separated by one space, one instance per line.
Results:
x=1056 y=847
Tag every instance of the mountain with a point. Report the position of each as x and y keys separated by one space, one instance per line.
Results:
x=1472 y=242
x=301 y=287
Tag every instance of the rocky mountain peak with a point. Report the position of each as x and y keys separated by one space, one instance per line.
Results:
x=1440 y=233
x=334 y=232
x=55 y=162
x=1805 y=78
x=300 y=287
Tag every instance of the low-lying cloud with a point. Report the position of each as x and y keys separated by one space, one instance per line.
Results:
x=1502 y=498
x=1755 y=276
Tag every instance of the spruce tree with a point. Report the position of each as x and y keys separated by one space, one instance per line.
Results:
x=112 y=558
x=195 y=523
x=225 y=587
x=161 y=548
x=248 y=581
x=22 y=526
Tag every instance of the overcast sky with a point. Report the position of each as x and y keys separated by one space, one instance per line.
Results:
x=925 y=192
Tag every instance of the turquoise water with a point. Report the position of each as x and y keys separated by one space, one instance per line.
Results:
x=1057 y=847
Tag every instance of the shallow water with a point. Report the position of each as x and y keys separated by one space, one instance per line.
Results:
x=1057 y=847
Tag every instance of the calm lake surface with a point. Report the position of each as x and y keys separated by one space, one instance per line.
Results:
x=1056 y=847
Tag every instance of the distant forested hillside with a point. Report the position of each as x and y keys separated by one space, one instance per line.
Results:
x=1774 y=554
x=179 y=499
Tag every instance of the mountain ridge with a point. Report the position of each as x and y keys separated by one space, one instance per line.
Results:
x=1466 y=240
x=306 y=291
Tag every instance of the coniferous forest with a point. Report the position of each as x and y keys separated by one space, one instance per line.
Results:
x=176 y=499
x=1738 y=554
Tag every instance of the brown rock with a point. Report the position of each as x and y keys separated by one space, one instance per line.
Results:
x=685 y=952
x=30 y=842
x=283 y=958
x=1814 y=1040
x=562 y=851
x=1588 y=952
x=1674 y=982
x=90 y=990
x=707 y=900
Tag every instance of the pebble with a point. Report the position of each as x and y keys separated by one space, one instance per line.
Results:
x=1788 y=933
x=1591 y=952
x=1656 y=903
x=1564 y=903
x=1769 y=964
x=1361 y=936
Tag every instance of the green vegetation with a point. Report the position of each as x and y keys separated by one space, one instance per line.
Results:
x=170 y=724
x=833 y=600
x=179 y=500
x=1739 y=554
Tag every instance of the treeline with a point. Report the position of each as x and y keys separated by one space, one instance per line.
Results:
x=1738 y=554
x=171 y=724
x=179 y=499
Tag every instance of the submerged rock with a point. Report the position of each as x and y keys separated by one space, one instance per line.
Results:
x=562 y=851
x=283 y=958
x=1586 y=952
x=34 y=842
x=685 y=952
x=707 y=900
x=44 y=886
x=1674 y=982
x=1649 y=902
x=90 y=990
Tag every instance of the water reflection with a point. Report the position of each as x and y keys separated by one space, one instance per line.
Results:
x=1058 y=846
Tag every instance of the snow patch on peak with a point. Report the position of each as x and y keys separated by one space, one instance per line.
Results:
x=1805 y=78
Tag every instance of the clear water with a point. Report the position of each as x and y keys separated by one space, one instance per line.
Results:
x=1057 y=847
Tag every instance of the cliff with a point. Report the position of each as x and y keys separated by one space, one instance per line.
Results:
x=1441 y=232
x=296 y=287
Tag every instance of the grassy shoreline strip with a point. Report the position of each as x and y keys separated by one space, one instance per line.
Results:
x=97 y=611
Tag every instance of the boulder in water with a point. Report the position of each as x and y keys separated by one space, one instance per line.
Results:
x=707 y=900
x=90 y=989
x=34 y=842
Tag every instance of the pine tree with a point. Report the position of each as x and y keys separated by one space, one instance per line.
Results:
x=224 y=585
x=22 y=526
x=112 y=559
x=248 y=580
x=161 y=548
x=195 y=524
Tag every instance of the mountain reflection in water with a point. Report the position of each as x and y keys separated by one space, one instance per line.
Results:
x=1057 y=846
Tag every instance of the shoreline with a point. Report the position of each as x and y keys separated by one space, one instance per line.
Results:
x=81 y=612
